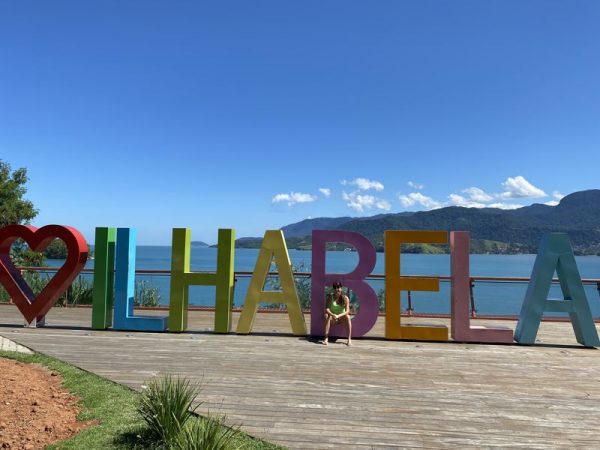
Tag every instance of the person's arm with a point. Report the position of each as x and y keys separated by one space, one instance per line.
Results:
x=327 y=310
x=347 y=306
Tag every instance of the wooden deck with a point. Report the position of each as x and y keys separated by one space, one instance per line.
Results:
x=377 y=394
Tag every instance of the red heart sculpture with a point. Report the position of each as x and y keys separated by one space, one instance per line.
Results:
x=38 y=239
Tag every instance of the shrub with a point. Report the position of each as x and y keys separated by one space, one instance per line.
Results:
x=146 y=295
x=34 y=279
x=381 y=299
x=165 y=407
x=303 y=287
x=208 y=434
x=80 y=292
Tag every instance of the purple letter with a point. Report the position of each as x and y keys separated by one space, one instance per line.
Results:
x=369 y=308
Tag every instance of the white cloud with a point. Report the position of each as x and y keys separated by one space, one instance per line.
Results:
x=514 y=188
x=417 y=186
x=501 y=205
x=418 y=198
x=477 y=195
x=459 y=200
x=557 y=198
x=293 y=198
x=325 y=191
x=364 y=184
x=383 y=204
x=519 y=187
x=360 y=202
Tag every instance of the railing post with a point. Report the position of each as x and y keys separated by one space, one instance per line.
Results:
x=473 y=310
x=410 y=310
x=233 y=293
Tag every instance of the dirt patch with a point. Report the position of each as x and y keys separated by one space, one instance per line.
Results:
x=34 y=410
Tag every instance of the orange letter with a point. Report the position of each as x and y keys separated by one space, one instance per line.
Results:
x=394 y=283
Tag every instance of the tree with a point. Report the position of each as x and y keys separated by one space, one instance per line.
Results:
x=14 y=209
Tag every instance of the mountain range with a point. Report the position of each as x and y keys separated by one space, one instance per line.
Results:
x=492 y=230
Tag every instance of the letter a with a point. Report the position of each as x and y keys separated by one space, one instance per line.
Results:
x=555 y=253
x=273 y=247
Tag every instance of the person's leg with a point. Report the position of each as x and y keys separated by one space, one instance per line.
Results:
x=348 y=321
x=327 y=324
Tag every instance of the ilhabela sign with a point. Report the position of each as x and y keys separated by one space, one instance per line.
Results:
x=114 y=272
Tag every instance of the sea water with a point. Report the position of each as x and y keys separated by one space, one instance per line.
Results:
x=499 y=298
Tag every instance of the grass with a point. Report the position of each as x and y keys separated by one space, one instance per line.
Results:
x=114 y=406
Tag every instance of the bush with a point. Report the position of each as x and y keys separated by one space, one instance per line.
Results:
x=303 y=287
x=146 y=295
x=208 y=434
x=80 y=292
x=381 y=299
x=165 y=407
x=35 y=280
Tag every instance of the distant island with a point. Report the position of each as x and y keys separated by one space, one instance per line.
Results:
x=199 y=244
x=493 y=230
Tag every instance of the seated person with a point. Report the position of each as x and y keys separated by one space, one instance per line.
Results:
x=337 y=310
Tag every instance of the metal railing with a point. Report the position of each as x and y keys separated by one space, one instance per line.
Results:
x=410 y=309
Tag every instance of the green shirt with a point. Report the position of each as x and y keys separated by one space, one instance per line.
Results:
x=336 y=308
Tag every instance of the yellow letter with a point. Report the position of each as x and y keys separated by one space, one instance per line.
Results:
x=273 y=247
x=182 y=278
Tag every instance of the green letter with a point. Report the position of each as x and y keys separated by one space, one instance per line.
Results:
x=182 y=279
x=104 y=276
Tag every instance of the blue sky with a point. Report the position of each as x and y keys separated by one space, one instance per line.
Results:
x=256 y=114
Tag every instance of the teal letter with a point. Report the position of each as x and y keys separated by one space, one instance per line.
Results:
x=125 y=318
x=555 y=252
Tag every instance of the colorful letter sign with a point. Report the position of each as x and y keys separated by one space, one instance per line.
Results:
x=355 y=280
x=555 y=253
x=114 y=269
x=33 y=307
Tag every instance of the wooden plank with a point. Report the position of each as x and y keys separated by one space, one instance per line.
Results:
x=377 y=394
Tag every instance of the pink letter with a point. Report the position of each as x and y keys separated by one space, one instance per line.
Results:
x=461 y=331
